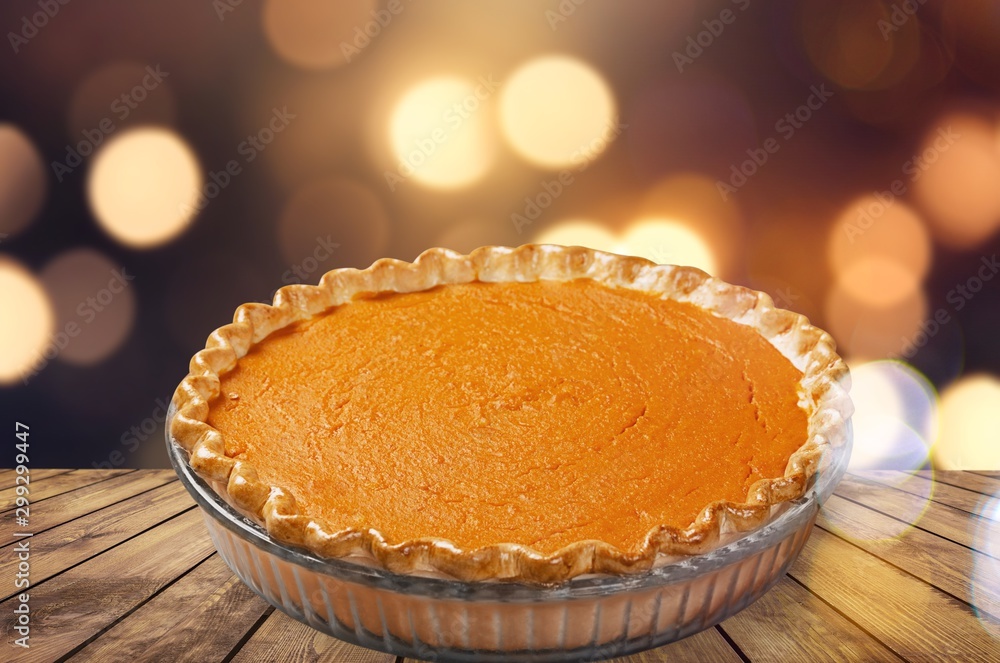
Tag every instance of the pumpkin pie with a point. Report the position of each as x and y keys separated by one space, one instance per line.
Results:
x=533 y=414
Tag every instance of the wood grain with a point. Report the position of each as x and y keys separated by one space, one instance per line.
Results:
x=281 y=638
x=123 y=569
x=791 y=624
x=708 y=645
x=941 y=519
x=76 y=503
x=8 y=478
x=914 y=619
x=201 y=617
x=76 y=605
x=968 y=480
x=57 y=485
x=66 y=545
x=917 y=552
x=959 y=498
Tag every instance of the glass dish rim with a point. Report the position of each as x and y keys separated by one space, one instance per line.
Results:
x=798 y=514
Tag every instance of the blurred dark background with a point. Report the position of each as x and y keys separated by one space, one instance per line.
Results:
x=163 y=162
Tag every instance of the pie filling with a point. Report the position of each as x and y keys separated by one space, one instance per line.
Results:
x=538 y=413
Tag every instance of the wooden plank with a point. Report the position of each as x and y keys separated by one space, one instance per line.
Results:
x=201 y=617
x=63 y=546
x=993 y=474
x=967 y=480
x=57 y=485
x=960 y=498
x=941 y=519
x=933 y=559
x=914 y=619
x=709 y=645
x=76 y=605
x=791 y=624
x=281 y=638
x=73 y=504
x=8 y=478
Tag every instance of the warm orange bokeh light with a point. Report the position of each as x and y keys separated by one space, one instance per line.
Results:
x=557 y=111
x=26 y=320
x=875 y=328
x=663 y=241
x=144 y=186
x=93 y=293
x=695 y=198
x=312 y=33
x=22 y=180
x=959 y=183
x=439 y=133
x=970 y=425
x=579 y=232
x=847 y=42
x=872 y=228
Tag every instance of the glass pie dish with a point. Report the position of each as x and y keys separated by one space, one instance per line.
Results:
x=587 y=618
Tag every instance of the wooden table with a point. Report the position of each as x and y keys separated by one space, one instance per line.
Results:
x=899 y=567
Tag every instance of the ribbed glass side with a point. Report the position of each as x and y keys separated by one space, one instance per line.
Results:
x=462 y=628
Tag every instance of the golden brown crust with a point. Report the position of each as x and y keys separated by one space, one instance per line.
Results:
x=823 y=395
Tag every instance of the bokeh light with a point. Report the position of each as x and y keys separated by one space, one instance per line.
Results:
x=695 y=198
x=847 y=42
x=876 y=326
x=959 y=179
x=144 y=186
x=468 y=235
x=668 y=242
x=878 y=282
x=22 y=180
x=895 y=420
x=885 y=229
x=579 y=232
x=331 y=222
x=557 y=111
x=439 y=133
x=26 y=320
x=310 y=33
x=663 y=241
x=93 y=297
x=970 y=425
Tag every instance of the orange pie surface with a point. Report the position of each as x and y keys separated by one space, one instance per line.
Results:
x=536 y=413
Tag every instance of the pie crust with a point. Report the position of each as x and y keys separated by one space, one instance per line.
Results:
x=822 y=394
